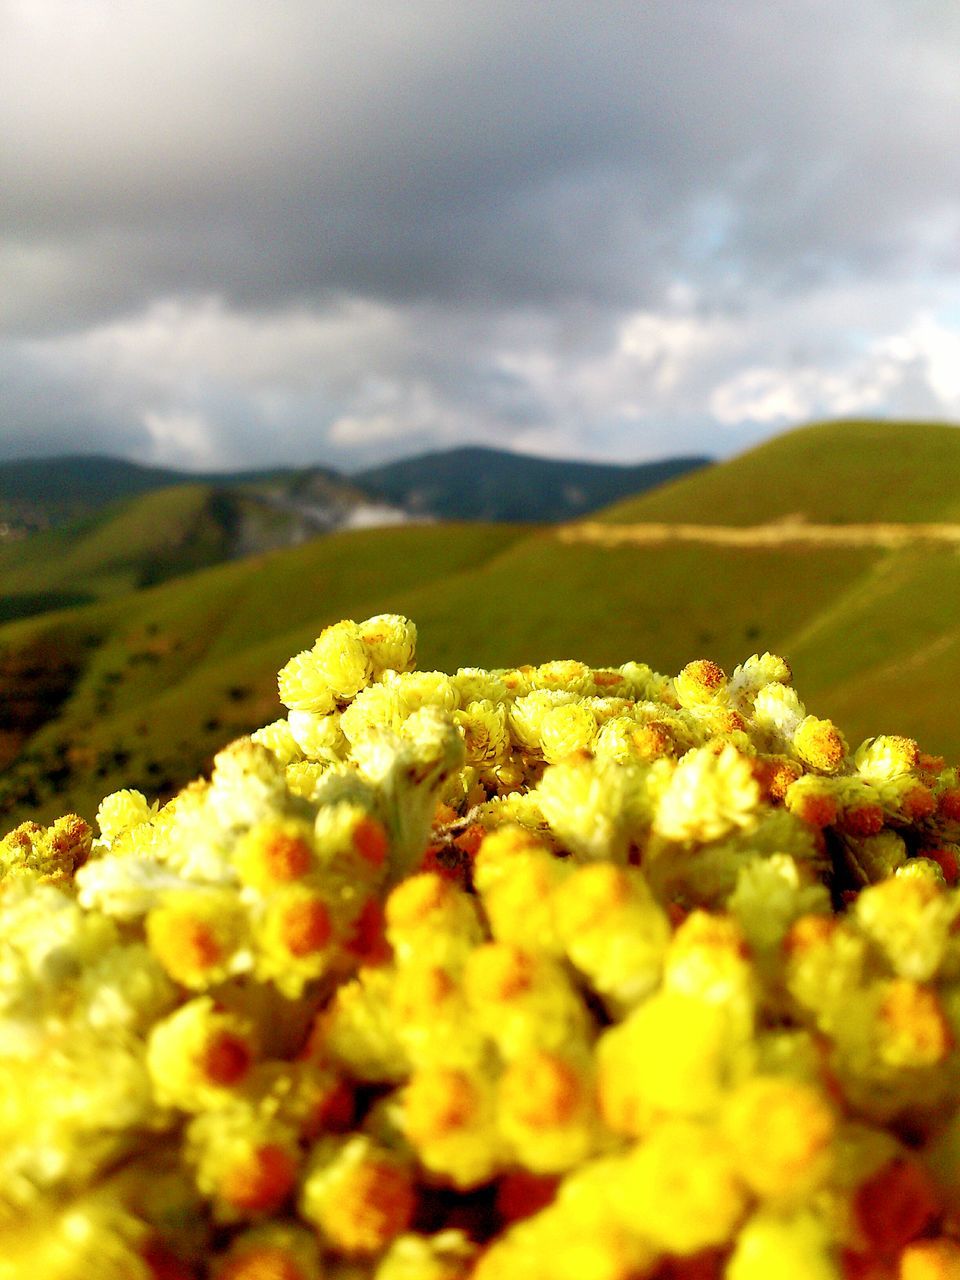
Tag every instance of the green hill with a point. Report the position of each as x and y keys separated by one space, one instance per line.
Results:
x=830 y=473
x=141 y=688
x=42 y=493
x=152 y=537
x=126 y=545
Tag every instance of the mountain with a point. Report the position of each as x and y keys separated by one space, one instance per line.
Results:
x=492 y=484
x=467 y=484
x=139 y=689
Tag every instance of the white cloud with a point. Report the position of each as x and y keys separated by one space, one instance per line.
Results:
x=913 y=372
x=179 y=438
x=934 y=346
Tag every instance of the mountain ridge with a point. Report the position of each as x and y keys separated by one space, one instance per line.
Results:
x=481 y=483
x=41 y=494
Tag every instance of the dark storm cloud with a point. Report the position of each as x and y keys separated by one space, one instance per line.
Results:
x=518 y=182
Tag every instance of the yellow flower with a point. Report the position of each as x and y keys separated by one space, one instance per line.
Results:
x=587 y=804
x=708 y=958
x=781 y=1132
x=447 y=1114
x=708 y=796
x=304 y=686
x=245 y=1162
x=448 y=1255
x=914 y=1029
x=567 y=729
x=522 y=1000
x=797 y=1247
x=357 y=1029
x=930 y=1260
x=564 y=673
x=343 y=659
x=681 y=1190
x=613 y=931
x=431 y=1018
x=700 y=683
x=518 y=878
x=318 y=737
x=620 y=975
x=199 y=1055
x=484 y=728
x=278 y=738
x=887 y=756
x=429 y=917
x=546 y=1110
x=49 y=855
x=296 y=939
x=358 y=1195
x=276 y=1251
x=121 y=811
x=391 y=642
x=271 y=854
x=820 y=744
x=199 y=937
x=673 y=1055
x=911 y=919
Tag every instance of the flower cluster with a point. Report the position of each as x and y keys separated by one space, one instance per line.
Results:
x=550 y=973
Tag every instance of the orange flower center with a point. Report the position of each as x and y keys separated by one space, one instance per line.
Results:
x=375 y=1205
x=286 y=857
x=186 y=946
x=541 y=1090
x=370 y=841
x=260 y=1181
x=225 y=1059
x=305 y=927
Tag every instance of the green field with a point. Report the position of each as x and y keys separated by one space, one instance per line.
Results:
x=141 y=687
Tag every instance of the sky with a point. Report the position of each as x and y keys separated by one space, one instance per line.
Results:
x=237 y=233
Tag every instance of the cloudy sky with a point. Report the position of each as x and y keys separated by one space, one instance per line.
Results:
x=241 y=232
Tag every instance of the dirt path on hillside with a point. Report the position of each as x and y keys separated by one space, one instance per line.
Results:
x=787 y=532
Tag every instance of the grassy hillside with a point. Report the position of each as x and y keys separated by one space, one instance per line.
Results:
x=164 y=677
x=134 y=526
x=127 y=545
x=77 y=484
x=832 y=473
x=140 y=689
x=461 y=484
x=153 y=537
